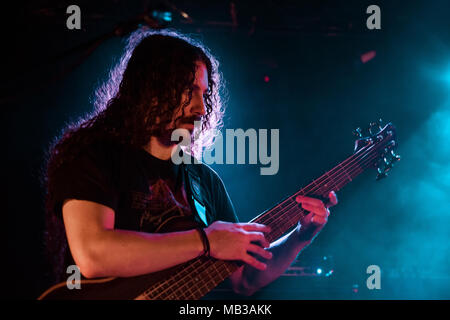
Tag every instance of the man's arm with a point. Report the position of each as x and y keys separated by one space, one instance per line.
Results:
x=247 y=280
x=99 y=250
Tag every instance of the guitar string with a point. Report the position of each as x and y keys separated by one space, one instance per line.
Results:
x=220 y=270
x=352 y=171
x=288 y=210
x=203 y=267
x=342 y=180
x=325 y=176
x=317 y=183
x=301 y=211
x=199 y=269
x=199 y=289
x=293 y=219
x=314 y=183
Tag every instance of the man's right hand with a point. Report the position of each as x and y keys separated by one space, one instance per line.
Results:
x=235 y=241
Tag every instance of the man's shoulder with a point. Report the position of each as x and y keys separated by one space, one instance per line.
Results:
x=105 y=149
x=96 y=155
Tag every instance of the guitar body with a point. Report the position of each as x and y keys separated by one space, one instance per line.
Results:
x=116 y=288
x=108 y=288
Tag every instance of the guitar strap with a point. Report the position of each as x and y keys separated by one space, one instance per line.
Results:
x=195 y=193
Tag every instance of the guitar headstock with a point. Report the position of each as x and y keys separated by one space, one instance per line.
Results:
x=382 y=140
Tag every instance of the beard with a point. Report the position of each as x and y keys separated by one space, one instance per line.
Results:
x=165 y=136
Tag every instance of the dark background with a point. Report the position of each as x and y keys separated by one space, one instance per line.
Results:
x=318 y=91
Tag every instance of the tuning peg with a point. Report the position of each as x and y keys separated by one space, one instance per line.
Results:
x=380 y=124
x=381 y=174
x=357 y=132
x=395 y=157
x=384 y=168
x=371 y=126
x=388 y=164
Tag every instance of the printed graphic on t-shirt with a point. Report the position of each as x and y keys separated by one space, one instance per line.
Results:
x=159 y=206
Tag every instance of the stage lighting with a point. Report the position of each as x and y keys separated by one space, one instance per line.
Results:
x=162 y=16
x=366 y=57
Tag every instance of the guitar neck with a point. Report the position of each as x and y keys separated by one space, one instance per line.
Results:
x=286 y=214
x=202 y=274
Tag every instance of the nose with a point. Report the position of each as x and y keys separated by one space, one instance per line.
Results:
x=199 y=107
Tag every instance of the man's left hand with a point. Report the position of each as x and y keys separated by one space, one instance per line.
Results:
x=317 y=217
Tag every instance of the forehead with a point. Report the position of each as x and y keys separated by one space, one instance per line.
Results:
x=201 y=76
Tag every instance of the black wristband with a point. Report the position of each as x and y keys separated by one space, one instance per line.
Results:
x=206 y=249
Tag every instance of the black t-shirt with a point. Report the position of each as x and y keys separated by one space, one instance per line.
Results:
x=146 y=193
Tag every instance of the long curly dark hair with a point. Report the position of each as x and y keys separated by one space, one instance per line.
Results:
x=147 y=83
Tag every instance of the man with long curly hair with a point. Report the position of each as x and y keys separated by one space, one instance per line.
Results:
x=116 y=202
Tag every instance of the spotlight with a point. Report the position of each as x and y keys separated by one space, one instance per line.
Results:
x=162 y=16
x=319 y=271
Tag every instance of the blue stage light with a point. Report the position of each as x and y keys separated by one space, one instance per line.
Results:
x=165 y=16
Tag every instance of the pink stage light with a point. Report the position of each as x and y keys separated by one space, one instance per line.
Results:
x=366 y=57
